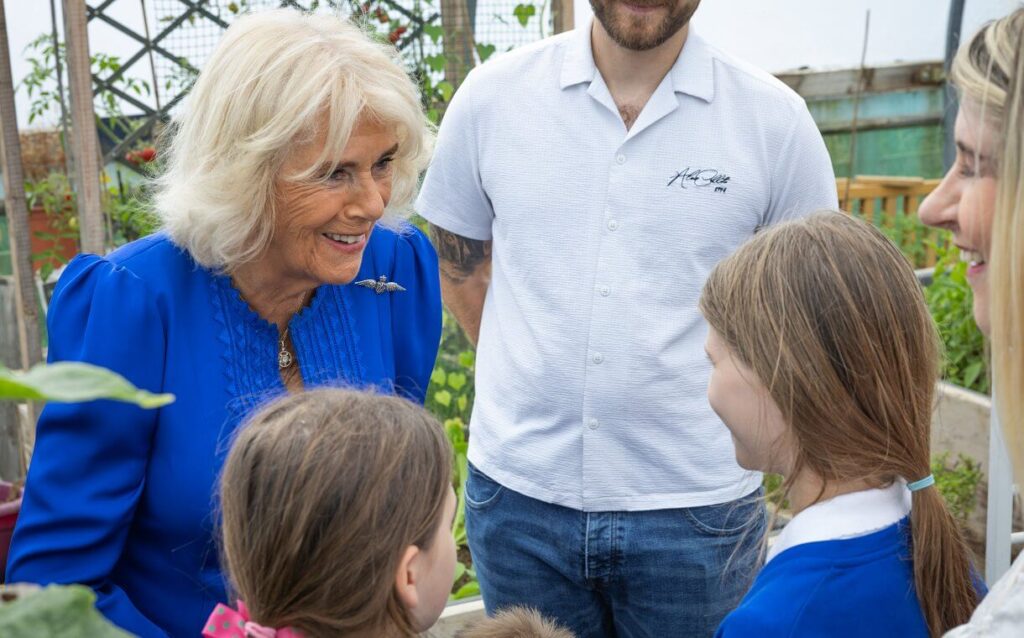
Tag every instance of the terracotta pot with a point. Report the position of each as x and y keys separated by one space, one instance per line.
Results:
x=8 y=517
x=66 y=247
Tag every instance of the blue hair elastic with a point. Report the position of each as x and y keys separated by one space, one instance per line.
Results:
x=927 y=481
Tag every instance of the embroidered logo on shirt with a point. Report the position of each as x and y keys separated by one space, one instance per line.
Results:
x=700 y=178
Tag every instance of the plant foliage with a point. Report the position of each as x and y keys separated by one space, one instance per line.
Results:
x=71 y=382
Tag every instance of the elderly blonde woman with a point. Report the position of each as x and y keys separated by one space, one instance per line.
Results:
x=278 y=268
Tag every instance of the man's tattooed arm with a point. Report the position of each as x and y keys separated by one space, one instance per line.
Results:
x=459 y=256
x=465 y=275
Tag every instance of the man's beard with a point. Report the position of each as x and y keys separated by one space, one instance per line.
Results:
x=629 y=32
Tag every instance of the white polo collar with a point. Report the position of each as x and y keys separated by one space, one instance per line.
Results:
x=692 y=73
x=845 y=516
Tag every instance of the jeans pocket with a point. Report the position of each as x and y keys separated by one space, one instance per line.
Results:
x=728 y=519
x=481 y=490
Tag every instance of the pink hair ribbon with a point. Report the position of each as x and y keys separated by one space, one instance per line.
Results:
x=226 y=622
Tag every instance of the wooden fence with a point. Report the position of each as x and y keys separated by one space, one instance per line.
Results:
x=891 y=203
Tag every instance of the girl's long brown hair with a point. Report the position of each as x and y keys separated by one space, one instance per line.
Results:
x=321 y=493
x=828 y=314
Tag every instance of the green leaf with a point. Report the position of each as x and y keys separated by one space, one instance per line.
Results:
x=485 y=51
x=433 y=31
x=57 y=610
x=523 y=12
x=438 y=376
x=446 y=89
x=471 y=588
x=443 y=397
x=456 y=381
x=460 y=571
x=436 y=62
x=971 y=374
x=467 y=358
x=462 y=402
x=72 y=382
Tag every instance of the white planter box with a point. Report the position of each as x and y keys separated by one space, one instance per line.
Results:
x=457 y=616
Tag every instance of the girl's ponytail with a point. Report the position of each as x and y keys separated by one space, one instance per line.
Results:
x=828 y=314
x=942 y=569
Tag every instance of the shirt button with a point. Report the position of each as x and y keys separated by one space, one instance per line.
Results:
x=621 y=159
x=598 y=357
x=605 y=291
x=592 y=423
x=612 y=224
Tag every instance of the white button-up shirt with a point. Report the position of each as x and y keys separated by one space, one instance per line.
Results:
x=591 y=377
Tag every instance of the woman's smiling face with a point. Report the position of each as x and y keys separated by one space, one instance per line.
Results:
x=964 y=203
x=322 y=226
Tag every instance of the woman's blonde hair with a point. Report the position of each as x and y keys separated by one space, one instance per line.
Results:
x=276 y=80
x=989 y=73
x=829 y=316
x=320 y=495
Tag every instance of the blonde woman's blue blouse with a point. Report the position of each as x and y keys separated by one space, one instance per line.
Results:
x=123 y=499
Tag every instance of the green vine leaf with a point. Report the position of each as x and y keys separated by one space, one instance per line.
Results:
x=446 y=90
x=485 y=51
x=72 y=382
x=436 y=62
x=443 y=397
x=434 y=32
x=523 y=12
x=456 y=381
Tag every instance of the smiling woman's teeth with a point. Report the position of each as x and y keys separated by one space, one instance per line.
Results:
x=971 y=256
x=345 y=239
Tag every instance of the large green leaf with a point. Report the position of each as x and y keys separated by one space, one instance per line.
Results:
x=56 y=612
x=71 y=382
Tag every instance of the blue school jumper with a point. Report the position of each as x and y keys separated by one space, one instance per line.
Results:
x=860 y=586
x=840 y=568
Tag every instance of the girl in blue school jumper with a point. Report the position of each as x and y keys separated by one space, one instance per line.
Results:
x=824 y=366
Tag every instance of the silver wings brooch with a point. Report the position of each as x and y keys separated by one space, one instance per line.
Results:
x=381 y=285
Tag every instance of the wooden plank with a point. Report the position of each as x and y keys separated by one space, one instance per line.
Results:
x=867 y=210
x=891 y=205
x=895 y=77
x=12 y=435
x=83 y=129
x=889 y=180
x=879 y=123
x=458 y=41
x=10 y=345
x=562 y=15
x=26 y=302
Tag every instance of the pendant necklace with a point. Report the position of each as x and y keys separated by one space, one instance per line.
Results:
x=285 y=358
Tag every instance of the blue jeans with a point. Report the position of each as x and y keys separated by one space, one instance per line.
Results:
x=657 y=574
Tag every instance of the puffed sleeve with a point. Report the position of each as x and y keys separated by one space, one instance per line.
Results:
x=415 y=314
x=89 y=463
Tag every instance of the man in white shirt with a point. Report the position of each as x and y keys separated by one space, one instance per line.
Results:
x=582 y=189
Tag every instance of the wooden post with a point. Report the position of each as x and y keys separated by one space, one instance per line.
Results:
x=26 y=300
x=562 y=15
x=17 y=211
x=85 y=143
x=458 y=41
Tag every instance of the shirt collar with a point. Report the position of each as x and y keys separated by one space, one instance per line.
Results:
x=845 y=516
x=692 y=73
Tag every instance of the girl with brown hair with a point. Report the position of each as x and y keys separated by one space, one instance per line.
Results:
x=337 y=515
x=824 y=366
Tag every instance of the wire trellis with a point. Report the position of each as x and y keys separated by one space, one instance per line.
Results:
x=178 y=37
